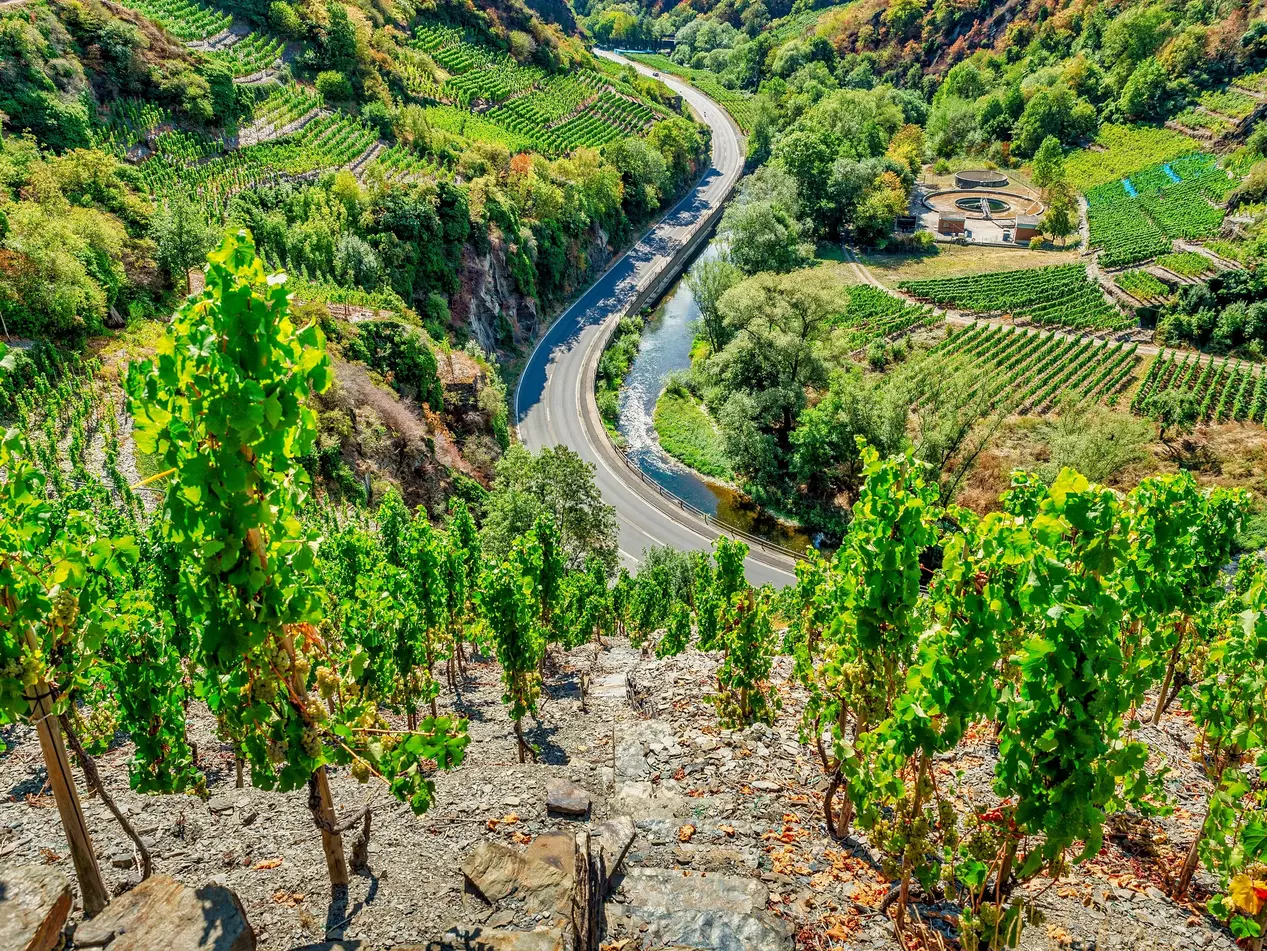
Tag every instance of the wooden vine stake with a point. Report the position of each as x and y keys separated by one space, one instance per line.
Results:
x=87 y=871
x=331 y=841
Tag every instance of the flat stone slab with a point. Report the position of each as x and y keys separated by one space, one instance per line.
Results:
x=704 y=930
x=610 y=686
x=161 y=913
x=34 y=904
x=673 y=890
x=691 y=910
x=649 y=801
x=540 y=882
x=566 y=798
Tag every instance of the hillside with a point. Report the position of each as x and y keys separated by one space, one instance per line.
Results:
x=308 y=644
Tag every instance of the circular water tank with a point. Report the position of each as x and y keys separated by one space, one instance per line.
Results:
x=980 y=178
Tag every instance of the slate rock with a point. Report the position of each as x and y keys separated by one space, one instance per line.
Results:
x=495 y=939
x=34 y=903
x=163 y=913
x=566 y=798
x=668 y=889
x=219 y=804
x=614 y=837
x=540 y=882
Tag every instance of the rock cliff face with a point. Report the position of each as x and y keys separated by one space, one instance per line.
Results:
x=497 y=315
x=489 y=302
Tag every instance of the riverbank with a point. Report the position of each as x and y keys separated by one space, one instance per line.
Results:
x=688 y=433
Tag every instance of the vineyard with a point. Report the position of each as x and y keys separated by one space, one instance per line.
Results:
x=188 y=20
x=254 y=53
x=1186 y=263
x=1120 y=151
x=532 y=110
x=347 y=662
x=873 y=314
x=196 y=165
x=1057 y=296
x=1034 y=371
x=1139 y=217
x=572 y=112
x=1142 y=286
x=1223 y=390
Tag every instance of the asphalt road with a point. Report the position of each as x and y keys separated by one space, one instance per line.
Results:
x=554 y=400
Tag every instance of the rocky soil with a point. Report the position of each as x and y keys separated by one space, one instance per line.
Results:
x=729 y=847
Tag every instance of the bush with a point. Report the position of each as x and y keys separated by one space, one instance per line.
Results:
x=285 y=20
x=334 y=85
x=1036 y=243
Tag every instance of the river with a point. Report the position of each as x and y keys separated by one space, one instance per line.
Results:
x=666 y=348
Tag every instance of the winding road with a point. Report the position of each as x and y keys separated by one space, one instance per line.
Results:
x=554 y=399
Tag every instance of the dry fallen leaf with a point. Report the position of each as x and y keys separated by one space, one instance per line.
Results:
x=492 y=824
x=685 y=832
x=521 y=838
x=266 y=864
x=510 y=818
x=728 y=831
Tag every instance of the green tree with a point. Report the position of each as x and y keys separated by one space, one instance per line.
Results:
x=183 y=235
x=763 y=236
x=1049 y=163
x=556 y=482
x=709 y=279
x=1146 y=93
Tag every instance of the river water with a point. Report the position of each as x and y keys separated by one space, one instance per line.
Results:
x=666 y=347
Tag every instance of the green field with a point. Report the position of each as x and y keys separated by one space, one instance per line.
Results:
x=688 y=434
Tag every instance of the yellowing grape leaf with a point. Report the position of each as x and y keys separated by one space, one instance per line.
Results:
x=1244 y=894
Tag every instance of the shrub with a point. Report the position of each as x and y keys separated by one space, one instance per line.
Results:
x=334 y=85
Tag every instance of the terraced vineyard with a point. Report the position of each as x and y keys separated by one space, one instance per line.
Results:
x=1226 y=391
x=872 y=314
x=329 y=141
x=736 y=102
x=1194 y=118
x=285 y=105
x=1142 y=285
x=1058 y=296
x=1228 y=102
x=570 y=112
x=556 y=98
x=187 y=20
x=1037 y=370
x=1186 y=263
x=126 y=123
x=478 y=73
x=254 y=53
x=531 y=109
x=1138 y=217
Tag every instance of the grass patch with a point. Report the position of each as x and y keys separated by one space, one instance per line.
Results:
x=958 y=261
x=687 y=433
